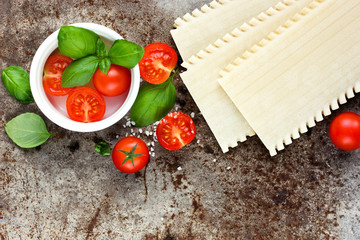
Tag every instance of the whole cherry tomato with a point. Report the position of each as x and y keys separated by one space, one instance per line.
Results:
x=114 y=83
x=53 y=70
x=85 y=104
x=157 y=63
x=130 y=154
x=344 y=131
x=175 y=130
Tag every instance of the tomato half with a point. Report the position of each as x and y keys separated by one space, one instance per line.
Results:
x=175 y=130
x=344 y=131
x=53 y=70
x=116 y=82
x=85 y=104
x=157 y=63
x=130 y=154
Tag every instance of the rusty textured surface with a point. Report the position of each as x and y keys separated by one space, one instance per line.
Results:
x=65 y=190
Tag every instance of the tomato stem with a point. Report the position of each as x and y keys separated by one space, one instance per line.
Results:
x=130 y=155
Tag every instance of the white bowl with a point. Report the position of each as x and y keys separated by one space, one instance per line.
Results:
x=54 y=107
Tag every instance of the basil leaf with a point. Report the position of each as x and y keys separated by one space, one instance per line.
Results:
x=76 y=42
x=17 y=83
x=27 y=130
x=101 y=50
x=125 y=53
x=104 y=65
x=79 y=72
x=102 y=148
x=153 y=102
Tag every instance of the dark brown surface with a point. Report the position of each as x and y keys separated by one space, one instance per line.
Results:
x=65 y=190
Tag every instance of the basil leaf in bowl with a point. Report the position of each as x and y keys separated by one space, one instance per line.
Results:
x=125 y=53
x=77 y=42
x=79 y=72
x=17 y=83
x=27 y=130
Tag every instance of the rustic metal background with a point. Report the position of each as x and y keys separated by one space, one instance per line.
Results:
x=65 y=190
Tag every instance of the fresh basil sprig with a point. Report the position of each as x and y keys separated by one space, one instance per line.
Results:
x=103 y=148
x=77 y=42
x=17 y=82
x=27 y=130
x=80 y=71
x=153 y=102
x=125 y=53
x=81 y=44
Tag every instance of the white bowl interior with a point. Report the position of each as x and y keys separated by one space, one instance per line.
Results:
x=54 y=108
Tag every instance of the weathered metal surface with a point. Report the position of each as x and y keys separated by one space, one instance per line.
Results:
x=65 y=190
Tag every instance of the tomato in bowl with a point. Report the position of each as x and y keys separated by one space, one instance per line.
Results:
x=54 y=107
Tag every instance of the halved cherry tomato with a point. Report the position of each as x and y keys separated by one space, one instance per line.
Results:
x=116 y=82
x=175 y=130
x=344 y=131
x=53 y=70
x=157 y=63
x=85 y=104
x=130 y=154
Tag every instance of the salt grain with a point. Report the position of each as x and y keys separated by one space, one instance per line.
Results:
x=198 y=141
x=179 y=168
x=140 y=130
x=228 y=168
x=192 y=115
x=214 y=160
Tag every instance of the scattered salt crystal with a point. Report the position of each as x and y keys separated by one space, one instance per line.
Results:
x=192 y=115
x=133 y=123
x=124 y=126
x=148 y=144
x=179 y=168
x=147 y=133
x=228 y=168
x=151 y=133
x=198 y=141
x=117 y=136
x=131 y=130
x=153 y=154
x=176 y=108
x=140 y=130
x=152 y=143
x=162 y=219
x=214 y=160
x=127 y=134
x=151 y=149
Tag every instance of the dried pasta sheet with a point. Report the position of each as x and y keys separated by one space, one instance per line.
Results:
x=225 y=121
x=202 y=27
x=291 y=79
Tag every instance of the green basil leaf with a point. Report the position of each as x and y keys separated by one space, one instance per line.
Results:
x=77 y=42
x=27 y=130
x=79 y=72
x=125 y=53
x=153 y=102
x=103 y=148
x=17 y=83
x=101 y=50
x=104 y=65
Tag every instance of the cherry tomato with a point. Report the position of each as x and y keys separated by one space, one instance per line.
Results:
x=157 y=63
x=130 y=154
x=344 y=131
x=175 y=130
x=116 y=82
x=85 y=104
x=53 y=70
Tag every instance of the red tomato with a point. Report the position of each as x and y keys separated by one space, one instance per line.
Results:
x=344 y=131
x=116 y=82
x=53 y=70
x=130 y=154
x=175 y=130
x=85 y=105
x=157 y=63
